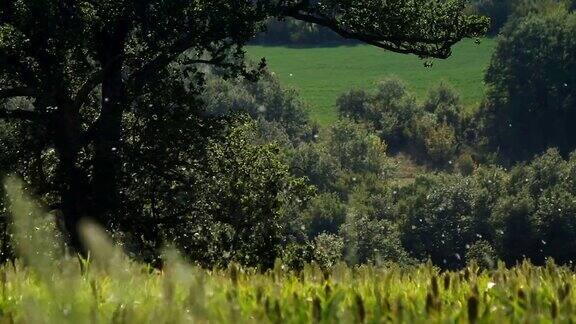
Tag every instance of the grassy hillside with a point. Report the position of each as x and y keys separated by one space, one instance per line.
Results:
x=321 y=74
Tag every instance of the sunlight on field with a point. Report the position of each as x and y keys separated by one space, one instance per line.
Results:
x=321 y=74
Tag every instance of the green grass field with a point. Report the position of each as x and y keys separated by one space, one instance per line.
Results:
x=321 y=74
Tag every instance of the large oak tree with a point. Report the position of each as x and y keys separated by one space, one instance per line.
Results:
x=76 y=67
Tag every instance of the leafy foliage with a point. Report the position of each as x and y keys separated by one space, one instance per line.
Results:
x=431 y=132
x=517 y=215
x=245 y=223
x=265 y=100
x=325 y=214
x=530 y=106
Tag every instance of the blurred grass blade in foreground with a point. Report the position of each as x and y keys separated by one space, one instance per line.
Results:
x=35 y=236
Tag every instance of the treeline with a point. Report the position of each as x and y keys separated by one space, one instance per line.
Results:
x=502 y=11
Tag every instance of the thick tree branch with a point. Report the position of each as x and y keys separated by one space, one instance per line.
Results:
x=91 y=83
x=390 y=43
x=138 y=79
x=18 y=114
x=17 y=92
x=431 y=31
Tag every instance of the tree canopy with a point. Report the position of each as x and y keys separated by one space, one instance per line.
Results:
x=530 y=104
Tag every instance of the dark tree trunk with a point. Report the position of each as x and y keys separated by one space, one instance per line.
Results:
x=94 y=196
x=73 y=182
x=107 y=147
x=76 y=202
x=106 y=175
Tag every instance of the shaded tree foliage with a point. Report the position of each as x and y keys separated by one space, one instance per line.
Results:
x=263 y=100
x=530 y=104
x=340 y=157
x=298 y=33
x=499 y=12
x=325 y=214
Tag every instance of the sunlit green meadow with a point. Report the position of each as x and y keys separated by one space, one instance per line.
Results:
x=321 y=74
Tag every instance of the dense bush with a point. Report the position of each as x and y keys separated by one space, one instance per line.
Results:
x=536 y=219
x=328 y=250
x=438 y=219
x=444 y=102
x=483 y=254
x=345 y=152
x=313 y=161
x=372 y=241
x=389 y=111
x=325 y=214
x=431 y=132
x=356 y=148
x=527 y=212
x=265 y=100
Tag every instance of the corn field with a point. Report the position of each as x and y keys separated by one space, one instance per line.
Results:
x=45 y=285
x=78 y=291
